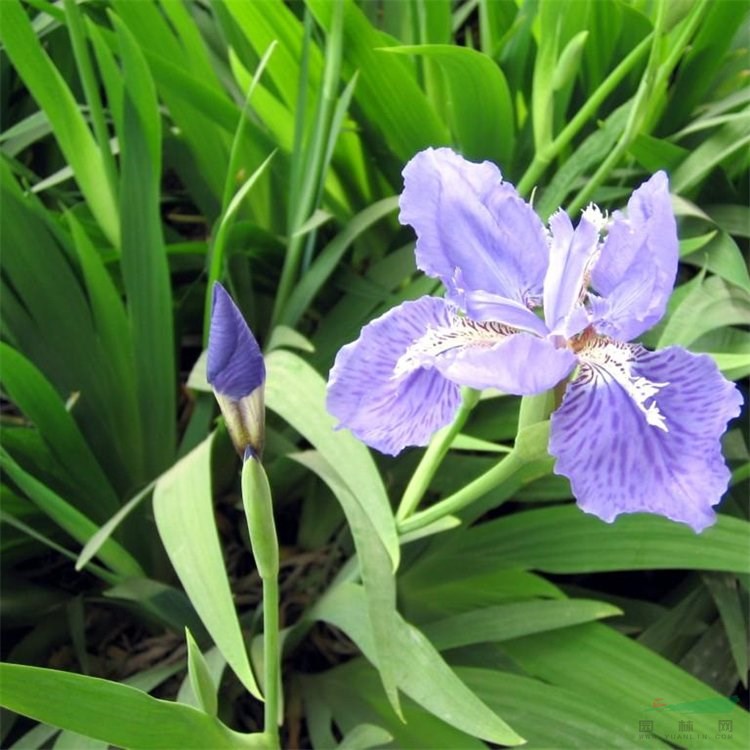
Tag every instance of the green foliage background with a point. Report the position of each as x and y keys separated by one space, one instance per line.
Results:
x=152 y=147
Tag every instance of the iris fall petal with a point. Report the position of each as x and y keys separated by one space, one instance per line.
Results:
x=383 y=408
x=648 y=445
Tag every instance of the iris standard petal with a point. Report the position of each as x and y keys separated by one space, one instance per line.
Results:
x=571 y=252
x=467 y=218
x=640 y=432
x=634 y=275
x=386 y=409
x=517 y=363
x=235 y=364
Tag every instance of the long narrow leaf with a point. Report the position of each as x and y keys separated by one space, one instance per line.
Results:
x=183 y=509
x=377 y=576
x=480 y=103
x=117 y=714
x=49 y=89
x=36 y=398
x=325 y=264
x=69 y=518
x=562 y=539
x=144 y=262
x=507 y=621
x=297 y=393
x=422 y=673
x=628 y=679
x=387 y=90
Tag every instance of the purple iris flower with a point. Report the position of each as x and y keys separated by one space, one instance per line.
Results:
x=637 y=431
x=236 y=372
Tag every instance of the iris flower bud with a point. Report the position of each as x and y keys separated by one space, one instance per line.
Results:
x=237 y=374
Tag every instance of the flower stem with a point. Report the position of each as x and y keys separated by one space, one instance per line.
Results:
x=535 y=409
x=258 y=504
x=271 y=661
x=434 y=456
x=501 y=472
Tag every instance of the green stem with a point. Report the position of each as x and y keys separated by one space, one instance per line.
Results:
x=498 y=474
x=258 y=504
x=271 y=661
x=433 y=457
x=535 y=409
x=546 y=155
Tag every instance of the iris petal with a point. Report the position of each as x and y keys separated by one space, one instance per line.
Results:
x=571 y=250
x=235 y=364
x=518 y=363
x=635 y=273
x=651 y=445
x=383 y=408
x=467 y=218
x=486 y=307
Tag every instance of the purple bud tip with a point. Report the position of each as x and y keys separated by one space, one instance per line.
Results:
x=250 y=454
x=235 y=364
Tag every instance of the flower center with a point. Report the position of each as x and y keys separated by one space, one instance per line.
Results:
x=583 y=340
